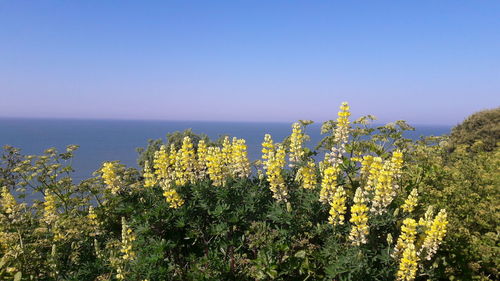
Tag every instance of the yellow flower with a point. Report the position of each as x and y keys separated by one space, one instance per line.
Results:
x=411 y=201
x=110 y=177
x=49 y=208
x=149 y=177
x=226 y=151
x=397 y=161
x=359 y=218
x=201 y=155
x=328 y=184
x=93 y=222
x=274 y=170
x=128 y=238
x=296 y=143
x=8 y=202
x=338 y=207
x=161 y=163
x=173 y=198
x=434 y=235
x=340 y=137
x=240 y=166
x=385 y=184
x=185 y=164
x=408 y=264
x=267 y=146
x=426 y=221
x=408 y=235
x=215 y=166
x=371 y=166
x=306 y=175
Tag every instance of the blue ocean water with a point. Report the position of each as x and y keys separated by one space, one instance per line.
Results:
x=109 y=140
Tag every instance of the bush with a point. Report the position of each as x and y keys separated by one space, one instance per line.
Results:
x=481 y=129
x=202 y=211
x=465 y=182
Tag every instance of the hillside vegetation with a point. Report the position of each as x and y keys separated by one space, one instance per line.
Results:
x=376 y=206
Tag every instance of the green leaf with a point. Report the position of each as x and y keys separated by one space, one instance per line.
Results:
x=18 y=276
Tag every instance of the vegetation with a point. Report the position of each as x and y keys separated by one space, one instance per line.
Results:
x=376 y=207
x=466 y=182
x=480 y=129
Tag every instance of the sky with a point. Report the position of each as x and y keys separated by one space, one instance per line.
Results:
x=427 y=62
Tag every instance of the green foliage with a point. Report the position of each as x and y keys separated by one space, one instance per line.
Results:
x=480 y=129
x=239 y=231
x=467 y=184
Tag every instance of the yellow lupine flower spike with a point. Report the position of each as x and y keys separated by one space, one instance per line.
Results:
x=274 y=170
x=306 y=175
x=359 y=219
x=110 y=177
x=149 y=177
x=240 y=165
x=296 y=144
x=338 y=207
x=408 y=264
x=8 y=202
x=328 y=184
x=201 y=156
x=267 y=146
x=411 y=201
x=434 y=235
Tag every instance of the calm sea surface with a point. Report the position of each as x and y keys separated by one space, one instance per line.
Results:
x=108 y=140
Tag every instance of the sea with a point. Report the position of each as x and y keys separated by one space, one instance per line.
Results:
x=117 y=140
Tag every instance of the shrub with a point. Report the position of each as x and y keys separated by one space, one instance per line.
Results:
x=481 y=129
x=197 y=211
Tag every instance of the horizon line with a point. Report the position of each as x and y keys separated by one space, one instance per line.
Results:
x=203 y=121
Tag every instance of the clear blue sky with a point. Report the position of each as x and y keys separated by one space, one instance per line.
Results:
x=428 y=62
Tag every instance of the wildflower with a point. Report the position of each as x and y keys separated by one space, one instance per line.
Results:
x=338 y=207
x=149 y=177
x=296 y=143
x=408 y=264
x=408 y=235
x=434 y=235
x=93 y=221
x=111 y=179
x=385 y=186
x=161 y=163
x=226 y=151
x=366 y=164
x=426 y=221
x=411 y=201
x=172 y=156
x=341 y=135
x=240 y=166
x=397 y=161
x=128 y=238
x=267 y=147
x=185 y=163
x=49 y=208
x=274 y=170
x=306 y=175
x=201 y=157
x=215 y=166
x=328 y=184
x=372 y=167
x=126 y=250
x=173 y=198
x=359 y=218
x=7 y=202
